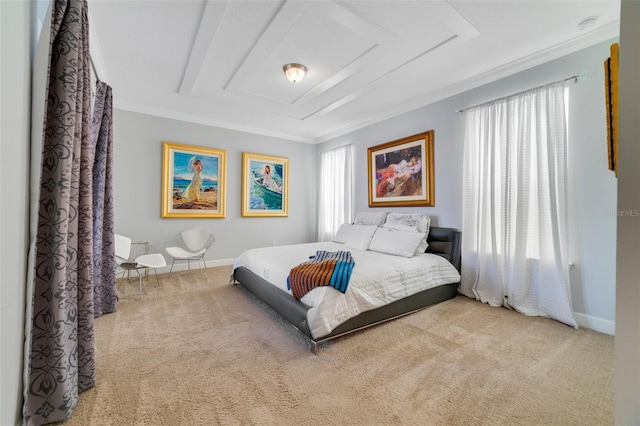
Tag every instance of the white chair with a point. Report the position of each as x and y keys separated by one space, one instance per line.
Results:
x=146 y=261
x=191 y=244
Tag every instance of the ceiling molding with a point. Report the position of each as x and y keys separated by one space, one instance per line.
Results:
x=336 y=78
x=602 y=34
x=358 y=93
x=268 y=40
x=208 y=121
x=206 y=36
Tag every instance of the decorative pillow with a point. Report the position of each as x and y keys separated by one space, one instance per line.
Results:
x=397 y=243
x=355 y=236
x=418 y=220
x=370 y=218
x=422 y=247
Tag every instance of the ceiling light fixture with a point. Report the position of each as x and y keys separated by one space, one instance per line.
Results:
x=294 y=72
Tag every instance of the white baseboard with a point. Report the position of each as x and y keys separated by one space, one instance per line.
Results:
x=220 y=262
x=183 y=266
x=595 y=323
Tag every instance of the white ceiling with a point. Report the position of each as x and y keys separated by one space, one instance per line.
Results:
x=220 y=62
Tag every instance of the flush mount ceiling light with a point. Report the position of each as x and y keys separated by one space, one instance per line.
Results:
x=587 y=23
x=294 y=72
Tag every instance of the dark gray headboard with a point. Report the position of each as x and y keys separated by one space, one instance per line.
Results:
x=446 y=243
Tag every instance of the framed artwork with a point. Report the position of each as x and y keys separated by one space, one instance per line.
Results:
x=401 y=172
x=265 y=185
x=611 y=96
x=193 y=181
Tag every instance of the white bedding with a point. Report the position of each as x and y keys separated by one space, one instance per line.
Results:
x=377 y=279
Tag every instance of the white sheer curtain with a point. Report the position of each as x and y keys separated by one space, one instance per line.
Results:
x=514 y=247
x=336 y=191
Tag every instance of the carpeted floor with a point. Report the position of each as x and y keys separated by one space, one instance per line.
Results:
x=203 y=352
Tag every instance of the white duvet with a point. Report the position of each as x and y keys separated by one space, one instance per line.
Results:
x=377 y=279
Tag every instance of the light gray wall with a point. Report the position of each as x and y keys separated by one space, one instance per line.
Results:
x=592 y=188
x=16 y=18
x=627 y=343
x=448 y=135
x=138 y=175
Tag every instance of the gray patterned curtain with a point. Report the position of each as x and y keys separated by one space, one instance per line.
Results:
x=104 y=280
x=61 y=354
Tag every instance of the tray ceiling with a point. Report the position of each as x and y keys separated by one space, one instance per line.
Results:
x=220 y=62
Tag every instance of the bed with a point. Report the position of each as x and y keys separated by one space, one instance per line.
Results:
x=325 y=313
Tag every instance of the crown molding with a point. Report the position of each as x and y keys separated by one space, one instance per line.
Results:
x=191 y=118
x=599 y=35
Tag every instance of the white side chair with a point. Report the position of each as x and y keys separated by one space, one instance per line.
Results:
x=144 y=262
x=191 y=244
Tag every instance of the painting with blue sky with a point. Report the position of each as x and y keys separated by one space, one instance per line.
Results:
x=193 y=181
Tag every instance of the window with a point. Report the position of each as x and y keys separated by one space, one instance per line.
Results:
x=335 y=191
x=515 y=242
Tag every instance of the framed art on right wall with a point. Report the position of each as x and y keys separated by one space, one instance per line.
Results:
x=401 y=172
x=611 y=96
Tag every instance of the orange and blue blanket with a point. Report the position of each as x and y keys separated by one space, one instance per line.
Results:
x=324 y=269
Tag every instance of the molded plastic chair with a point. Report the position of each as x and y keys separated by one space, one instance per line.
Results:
x=190 y=244
x=146 y=261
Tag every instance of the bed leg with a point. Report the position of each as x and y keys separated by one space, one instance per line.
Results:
x=313 y=347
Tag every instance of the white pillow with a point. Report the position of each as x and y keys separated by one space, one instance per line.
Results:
x=418 y=220
x=397 y=243
x=370 y=218
x=422 y=247
x=355 y=236
x=343 y=232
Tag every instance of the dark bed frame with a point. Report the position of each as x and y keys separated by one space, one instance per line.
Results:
x=442 y=241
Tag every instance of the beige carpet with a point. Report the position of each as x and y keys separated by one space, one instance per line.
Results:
x=203 y=352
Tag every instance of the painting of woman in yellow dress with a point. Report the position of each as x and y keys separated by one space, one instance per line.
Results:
x=192 y=181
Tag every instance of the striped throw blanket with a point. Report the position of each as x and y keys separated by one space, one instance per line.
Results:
x=324 y=269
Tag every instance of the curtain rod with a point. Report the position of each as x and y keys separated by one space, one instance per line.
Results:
x=573 y=77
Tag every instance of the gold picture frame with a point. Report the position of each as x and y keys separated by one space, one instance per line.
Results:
x=193 y=181
x=611 y=95
x=265 y=185
x=401 y=172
